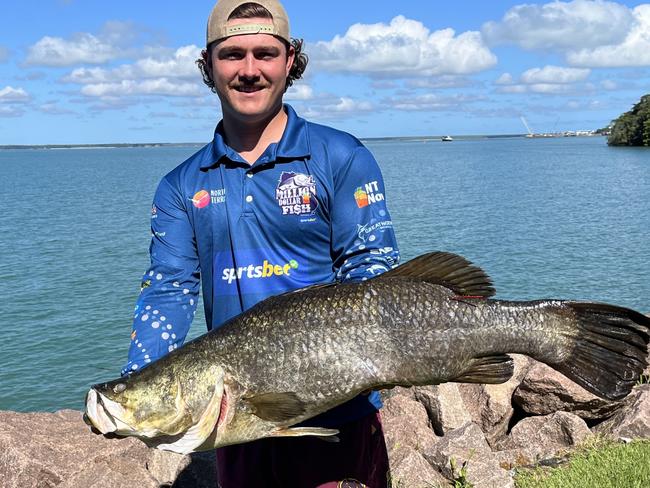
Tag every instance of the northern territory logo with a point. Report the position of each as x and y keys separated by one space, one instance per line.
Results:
x=296 y=194
x=202 y=198
x=368 y=194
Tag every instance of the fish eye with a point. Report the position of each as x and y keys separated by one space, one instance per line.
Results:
x=119 y=388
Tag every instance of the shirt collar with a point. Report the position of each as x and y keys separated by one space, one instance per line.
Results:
x=293 y=144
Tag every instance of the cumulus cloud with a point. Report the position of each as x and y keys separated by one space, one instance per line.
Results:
x=428 y=102
x=12 y=101
x=546 y=80
x=299 y=92
x=405 y=48
x=82 y=48
x=174 y=74
x=159 y=86
x=440 y=82
x=633 y=50
x=554 y=75
x=562 y=25
x=114 y=40
x=180 y=64
x=10 y=94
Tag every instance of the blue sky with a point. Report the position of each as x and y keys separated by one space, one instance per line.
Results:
x=74 y=71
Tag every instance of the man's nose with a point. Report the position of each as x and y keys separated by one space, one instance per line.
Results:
x=249 y=68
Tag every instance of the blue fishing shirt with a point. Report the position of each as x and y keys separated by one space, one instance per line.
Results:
x=310 y=210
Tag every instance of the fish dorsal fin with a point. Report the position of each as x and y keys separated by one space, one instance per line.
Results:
x=276 y=407
x=449 y=270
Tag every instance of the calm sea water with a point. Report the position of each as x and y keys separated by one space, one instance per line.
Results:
x=560 y=218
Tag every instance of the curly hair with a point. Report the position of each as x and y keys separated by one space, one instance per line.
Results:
x=248 y=11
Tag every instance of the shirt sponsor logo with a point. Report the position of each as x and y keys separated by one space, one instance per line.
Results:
x=264 y=270
x=203 y=198
x=369 y=231
x=296 y=194
x=368 y=194
x=154 y=212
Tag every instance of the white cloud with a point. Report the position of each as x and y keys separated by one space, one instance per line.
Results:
x=440 y=82
x=403 y=48
x=634 y=50
x=504 y=79
x=562 y=25
x=54 y=109
x=82 y=48
x=554 y=75
x=12 y=101
x=549 y=80
x=180 y=64
x=299 y=92
x=10 y=94
x=428 y=102
x=160 y=86
x=348 y=105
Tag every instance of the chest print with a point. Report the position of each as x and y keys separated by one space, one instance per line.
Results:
x=296 y=194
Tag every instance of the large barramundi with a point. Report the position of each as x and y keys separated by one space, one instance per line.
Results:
x=296 y=355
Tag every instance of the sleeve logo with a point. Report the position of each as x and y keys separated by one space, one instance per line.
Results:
x=368 y=194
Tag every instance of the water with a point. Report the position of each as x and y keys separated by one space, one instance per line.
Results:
x=545 y=218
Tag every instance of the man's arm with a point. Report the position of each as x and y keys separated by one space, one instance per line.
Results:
x=170 y=287
x=363 y=238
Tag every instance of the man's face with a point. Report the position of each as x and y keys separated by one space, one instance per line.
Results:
x=249 y=73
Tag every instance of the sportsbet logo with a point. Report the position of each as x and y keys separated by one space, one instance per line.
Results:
x=264 y=270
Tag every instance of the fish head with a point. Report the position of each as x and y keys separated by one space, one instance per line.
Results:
x=160 y=406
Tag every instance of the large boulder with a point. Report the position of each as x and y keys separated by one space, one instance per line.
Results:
x=466 y=449
x=548 y=435
x=406 y=423
x=490 y=406
x=444 y=405
x=45 y=449
x=633 y=421
x=408 y=468
x=544 y=391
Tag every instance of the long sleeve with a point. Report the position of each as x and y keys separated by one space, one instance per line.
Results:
x=170 y=287
x=363 y=239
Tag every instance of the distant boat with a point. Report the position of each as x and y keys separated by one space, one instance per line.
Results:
x=446 y=139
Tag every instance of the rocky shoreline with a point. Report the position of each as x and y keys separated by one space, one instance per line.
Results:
x=537 y=416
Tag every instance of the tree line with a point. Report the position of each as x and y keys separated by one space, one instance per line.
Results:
x=633 y=127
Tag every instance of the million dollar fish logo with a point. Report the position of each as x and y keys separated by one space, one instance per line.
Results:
x=296 y=194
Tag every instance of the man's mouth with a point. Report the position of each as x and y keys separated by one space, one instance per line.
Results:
x=248 y=88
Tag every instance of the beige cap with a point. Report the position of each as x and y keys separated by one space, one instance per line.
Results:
x=218 y=20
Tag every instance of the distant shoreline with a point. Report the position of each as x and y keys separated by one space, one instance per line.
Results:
x=185 y=144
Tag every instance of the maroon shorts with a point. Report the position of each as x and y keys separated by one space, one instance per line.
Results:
x=359 y=459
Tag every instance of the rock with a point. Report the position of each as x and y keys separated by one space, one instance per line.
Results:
x=468 y=445
x=547 y=435
x=490 y=406
x=406 y=423
x=58 y=449
x=408 y=468
x=444 y=406
x=544 y=391
x=632 y=421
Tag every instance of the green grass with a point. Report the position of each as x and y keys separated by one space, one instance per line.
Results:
x=598 y=464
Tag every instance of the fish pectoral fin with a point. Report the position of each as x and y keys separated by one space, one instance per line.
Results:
x=276 y=407
x=328 y=435
x=448 y=270
x=488 y=370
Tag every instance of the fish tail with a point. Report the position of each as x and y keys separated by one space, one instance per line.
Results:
x=609 y=351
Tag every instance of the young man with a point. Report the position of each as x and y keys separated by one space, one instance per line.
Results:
x=272 y=204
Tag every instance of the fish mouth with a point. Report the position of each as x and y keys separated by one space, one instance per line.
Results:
x=105 y=415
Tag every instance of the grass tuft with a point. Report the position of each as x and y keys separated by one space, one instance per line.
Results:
x=599 y=463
